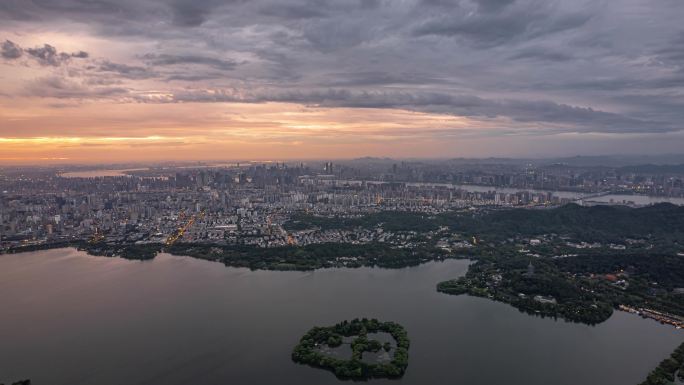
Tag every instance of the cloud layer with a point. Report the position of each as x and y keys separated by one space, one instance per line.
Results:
x=532 y=68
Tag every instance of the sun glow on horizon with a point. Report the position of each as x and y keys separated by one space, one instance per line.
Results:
x=145 y=131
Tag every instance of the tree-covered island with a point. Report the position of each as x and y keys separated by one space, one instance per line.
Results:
x=308 y=350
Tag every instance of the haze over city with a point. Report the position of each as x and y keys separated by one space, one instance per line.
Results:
x=92 y=81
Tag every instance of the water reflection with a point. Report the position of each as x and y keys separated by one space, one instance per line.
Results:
x=68 y=318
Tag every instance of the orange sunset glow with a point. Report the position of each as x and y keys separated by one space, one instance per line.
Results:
x=83 y=85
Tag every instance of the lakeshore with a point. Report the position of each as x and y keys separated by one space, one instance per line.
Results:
x=174 y=318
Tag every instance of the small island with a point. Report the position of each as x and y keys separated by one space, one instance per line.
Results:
x=311 y=349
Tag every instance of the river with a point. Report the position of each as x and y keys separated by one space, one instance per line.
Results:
x=68 y=318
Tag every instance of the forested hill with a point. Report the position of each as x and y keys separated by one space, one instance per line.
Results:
x=663 y=221
x=600 y=223
x=654 y=169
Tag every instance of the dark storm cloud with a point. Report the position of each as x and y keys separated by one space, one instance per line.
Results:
x=585 y=65
x=673 y=53
x=654 y=106
x=45 y=55
x=440 y=3
x=168 y=60
x=292 y=11
x=194 y=77
x=571 y=118
x=126 y=71
x=585 y=119
x=191 y=13
x=11 y=50
x=48 y=55
x=82 y=10
x=181 y=13
x=64 y=88
x=375 y=78
x=495 y=28
x=493 y=5
x=542 y=54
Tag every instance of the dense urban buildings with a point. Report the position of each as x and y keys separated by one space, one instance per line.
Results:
x=248 y=203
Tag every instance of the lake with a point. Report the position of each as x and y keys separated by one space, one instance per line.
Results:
x=67 y=318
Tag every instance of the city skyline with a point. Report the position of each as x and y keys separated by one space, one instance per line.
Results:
x=161 y=80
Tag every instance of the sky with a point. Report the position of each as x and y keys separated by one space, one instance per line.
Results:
x=84 y=81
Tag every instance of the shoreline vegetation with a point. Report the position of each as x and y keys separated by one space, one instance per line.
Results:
x=571 y=262
x=584 y=288
x=575 y=263
x=308 y=350
x=284 y=258
x=669 y=370
x=585 y=309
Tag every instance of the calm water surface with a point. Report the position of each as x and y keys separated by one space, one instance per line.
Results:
x=67 y=318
